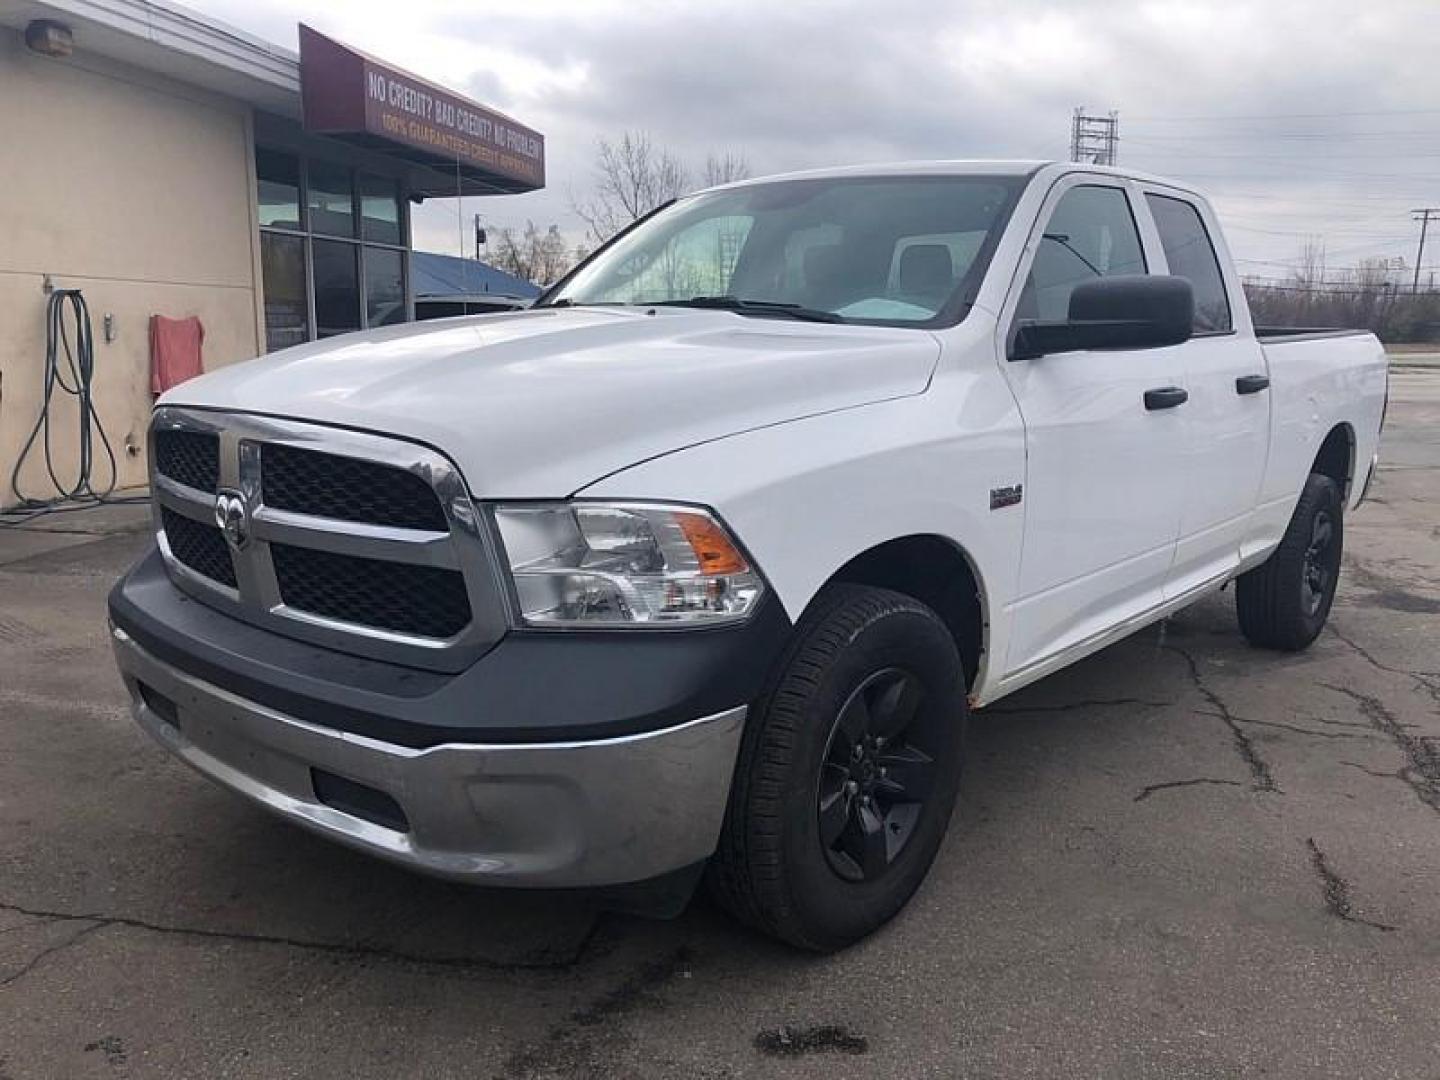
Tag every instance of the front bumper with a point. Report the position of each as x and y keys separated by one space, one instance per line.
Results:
x=585 y=813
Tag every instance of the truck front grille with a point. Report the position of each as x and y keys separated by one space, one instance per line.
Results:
x=200 y=547
x=350 y=540
x=191 y=458
x=400 y=597
x=348 y=489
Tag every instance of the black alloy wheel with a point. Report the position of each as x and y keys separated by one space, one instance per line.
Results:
x=848 y=771
x=1317 y=578
x=878 y=771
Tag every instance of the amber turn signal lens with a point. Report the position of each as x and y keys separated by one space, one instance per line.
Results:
x=713 y=549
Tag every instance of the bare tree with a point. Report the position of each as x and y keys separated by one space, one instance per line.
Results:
x=1374 y=295
x=726 y=168
x=632 y=177
x=539 y=257
x=1309 y=272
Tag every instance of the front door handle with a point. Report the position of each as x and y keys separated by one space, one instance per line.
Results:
x=1252 y=384
x=1167 y=397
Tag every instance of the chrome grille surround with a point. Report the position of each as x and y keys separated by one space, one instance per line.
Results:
x=464 y=547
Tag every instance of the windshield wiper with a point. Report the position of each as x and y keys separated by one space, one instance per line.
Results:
x=1064 y=241
x=773 y=308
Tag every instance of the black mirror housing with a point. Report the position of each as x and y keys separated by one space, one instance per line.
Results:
x=1127 y=311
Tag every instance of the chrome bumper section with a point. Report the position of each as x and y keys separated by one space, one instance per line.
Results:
x=577 y=814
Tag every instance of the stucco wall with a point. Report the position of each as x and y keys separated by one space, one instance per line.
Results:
x=138 y=192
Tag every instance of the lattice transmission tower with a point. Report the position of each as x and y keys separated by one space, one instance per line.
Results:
x=1094 y=139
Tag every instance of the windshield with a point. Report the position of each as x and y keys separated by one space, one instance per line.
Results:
x=894 y=251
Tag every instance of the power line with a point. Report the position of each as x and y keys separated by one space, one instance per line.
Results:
x=1416 y=179
x=1262 y=218
x=1308 y=197
x=1284 y=116
x=1341 y=252
x=1342 y=230
x=1095 y=138
x=1288 y=163
x=1293 y=158
x=1426 y=134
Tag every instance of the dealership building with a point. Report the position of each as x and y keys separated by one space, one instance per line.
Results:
x=167 y=165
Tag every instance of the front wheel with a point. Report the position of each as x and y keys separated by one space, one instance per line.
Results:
x=847 y=774
x=1283 y=603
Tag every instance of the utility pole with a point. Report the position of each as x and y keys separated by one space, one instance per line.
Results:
x=1094 y=139
x=1423 y=215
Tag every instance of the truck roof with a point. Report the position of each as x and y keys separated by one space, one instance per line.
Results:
x=960 y=167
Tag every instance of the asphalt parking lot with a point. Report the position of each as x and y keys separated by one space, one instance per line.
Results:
x=1180 y=858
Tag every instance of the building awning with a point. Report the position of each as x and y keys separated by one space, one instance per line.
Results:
x=453 y=145
x=467 y=148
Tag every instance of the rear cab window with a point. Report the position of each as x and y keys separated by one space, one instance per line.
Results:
x=1191 y=255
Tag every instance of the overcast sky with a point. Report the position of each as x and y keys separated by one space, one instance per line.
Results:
x=1301 y=117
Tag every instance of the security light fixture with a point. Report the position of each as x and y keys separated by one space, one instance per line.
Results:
x=49 y=38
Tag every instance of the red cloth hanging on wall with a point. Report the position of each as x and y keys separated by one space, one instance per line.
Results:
x=175 y=347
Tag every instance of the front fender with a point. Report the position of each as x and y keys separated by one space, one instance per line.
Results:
x=806 y=497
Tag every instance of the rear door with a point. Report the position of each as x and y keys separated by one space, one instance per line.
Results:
x=1104 y=475
x=1227 y=419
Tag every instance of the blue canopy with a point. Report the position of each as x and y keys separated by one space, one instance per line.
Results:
x=441 y=277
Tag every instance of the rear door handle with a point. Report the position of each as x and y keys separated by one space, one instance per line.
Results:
x=1167 y=397
x=1252 y=384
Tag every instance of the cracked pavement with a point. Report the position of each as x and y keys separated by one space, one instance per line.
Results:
x=1179 y=858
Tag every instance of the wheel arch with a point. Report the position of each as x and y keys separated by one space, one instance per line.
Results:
x=1336 y=458
x=939 y=573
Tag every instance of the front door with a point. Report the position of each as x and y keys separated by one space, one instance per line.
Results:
x=1104 y=474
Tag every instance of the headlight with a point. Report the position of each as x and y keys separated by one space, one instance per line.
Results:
x=596 y=564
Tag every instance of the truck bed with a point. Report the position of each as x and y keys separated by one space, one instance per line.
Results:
x=1265 y=334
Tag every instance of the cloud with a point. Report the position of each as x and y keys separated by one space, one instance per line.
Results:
x=799 y=83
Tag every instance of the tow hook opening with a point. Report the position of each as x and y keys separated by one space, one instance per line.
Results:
x=358 y=800
x=163 y=708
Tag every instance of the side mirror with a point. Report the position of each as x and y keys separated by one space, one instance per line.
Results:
x=1128 y=311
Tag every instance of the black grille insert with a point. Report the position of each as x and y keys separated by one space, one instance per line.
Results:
x=200 y=547
x=330 y=485
x=191 y=458
x=407 y=599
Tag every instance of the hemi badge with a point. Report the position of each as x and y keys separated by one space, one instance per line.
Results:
x=1002 y=497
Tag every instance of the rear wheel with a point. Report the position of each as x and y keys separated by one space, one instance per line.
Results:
x=848 y=772
x=1284 y=602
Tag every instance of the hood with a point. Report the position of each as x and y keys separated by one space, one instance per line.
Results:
x=538 y=404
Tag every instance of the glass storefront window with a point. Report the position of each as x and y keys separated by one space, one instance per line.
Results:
x=379 y=209
x=384 y=287
x=332 y=200
x=333 y=248
x=278 y=182
x=287 y=314
x=337 y=288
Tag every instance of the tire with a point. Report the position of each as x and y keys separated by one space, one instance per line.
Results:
x=1283 y=603
x=862 y=661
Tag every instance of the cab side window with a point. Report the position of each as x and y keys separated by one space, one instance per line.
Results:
x=1090 y=234
x=1191 y=255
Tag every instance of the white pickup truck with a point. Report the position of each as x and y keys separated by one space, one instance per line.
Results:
x=698 y=565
